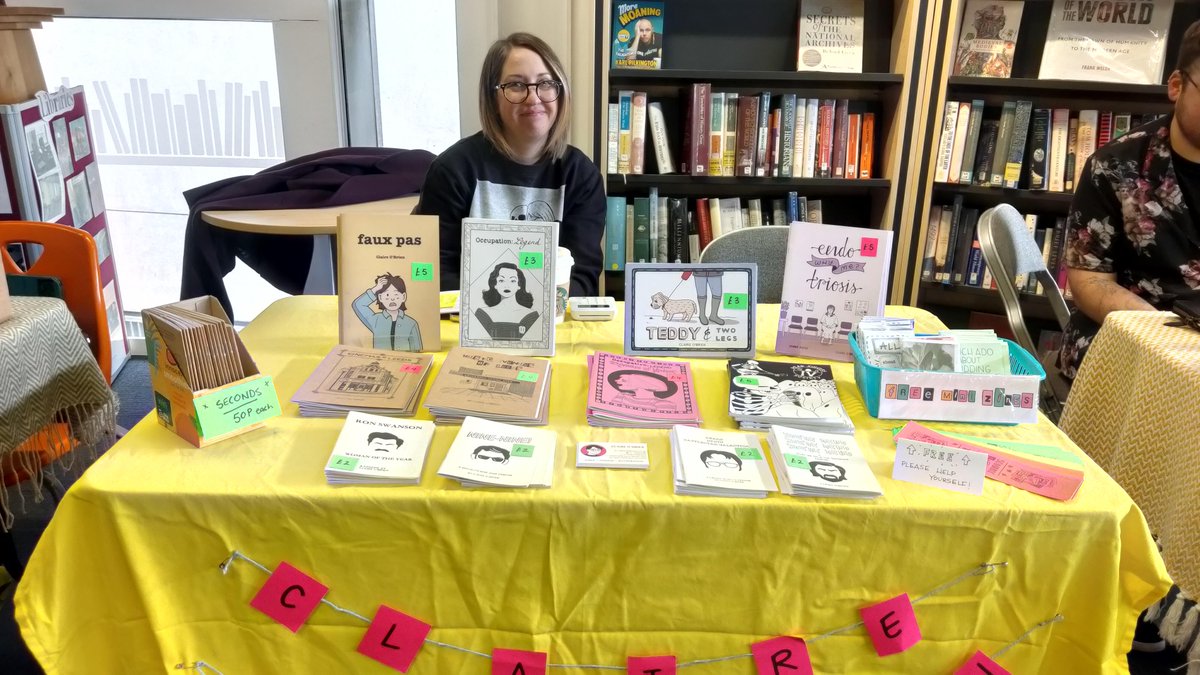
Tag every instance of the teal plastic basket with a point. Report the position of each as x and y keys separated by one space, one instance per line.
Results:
x=868 y=377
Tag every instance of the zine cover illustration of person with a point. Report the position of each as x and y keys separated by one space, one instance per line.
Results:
x=593 y=450
x=643 y=389
x=383 y=441
x=720 y=459
x=509 y=313
x=829 y=325
x=490 y=453
x=390 y=327
x=827 y=471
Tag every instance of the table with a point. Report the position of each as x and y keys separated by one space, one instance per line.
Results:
x=604 y=564
x=320 y=222
x=1133 y=408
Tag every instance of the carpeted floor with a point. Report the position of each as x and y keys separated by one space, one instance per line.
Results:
x=133 y=388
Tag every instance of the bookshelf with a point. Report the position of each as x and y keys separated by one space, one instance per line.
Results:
x=955 y=303
x=751 y=47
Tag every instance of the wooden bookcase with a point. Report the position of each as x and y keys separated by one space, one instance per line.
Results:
x=954 y=303
x=749 y=47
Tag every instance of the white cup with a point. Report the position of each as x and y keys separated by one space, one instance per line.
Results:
x=562 y=281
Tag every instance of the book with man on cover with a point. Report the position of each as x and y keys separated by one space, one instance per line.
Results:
x=378 y=381
x=486 y=453
x=637 y=30
x=374 y=450
x=987 y=38
x=388 y=281
x=1107 y=41
x=830 y=36
x=834 y=275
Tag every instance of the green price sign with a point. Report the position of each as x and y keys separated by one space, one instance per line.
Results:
x=796 y=461
x=422 y=271
x=737 y=300
x=235 y=406
x=530 y=260
x=342 y=462
x=742 y=380
x=749 y=453
x=526 y=376
x=522 y=450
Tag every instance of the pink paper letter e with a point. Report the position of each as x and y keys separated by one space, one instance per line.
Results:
x=892 y=625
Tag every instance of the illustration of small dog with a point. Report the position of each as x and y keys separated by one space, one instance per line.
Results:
x=672 y=308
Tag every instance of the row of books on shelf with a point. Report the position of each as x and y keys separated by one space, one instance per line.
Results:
x=953 y=255
x=731 y=134
x=1026 y=147
x=670 y=229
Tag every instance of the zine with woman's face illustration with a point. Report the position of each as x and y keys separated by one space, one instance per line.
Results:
x=507 y=296
x=682 y=309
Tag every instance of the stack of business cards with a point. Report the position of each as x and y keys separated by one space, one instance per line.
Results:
x=486 y=454
x=719 y=464
x=611 y=456
x=377 y=450
x=814 y=464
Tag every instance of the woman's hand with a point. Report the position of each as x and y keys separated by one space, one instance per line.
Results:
x=380 y=282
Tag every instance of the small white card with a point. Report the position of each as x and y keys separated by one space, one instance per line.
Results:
x=940 y=467
x=589 y=455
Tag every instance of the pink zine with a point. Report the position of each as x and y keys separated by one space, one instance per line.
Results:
x=980 y=664
x=289 y=596
x=650 y=665
x=394 y=638
x=892 y=625
x=774 y=656
x=518 y=662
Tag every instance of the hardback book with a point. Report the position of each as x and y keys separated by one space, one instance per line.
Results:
x=815 y=464
x=614 y=136
x=625 y=131
x=1107 y=42
x=988 y=38
x=830 y=36
x=945 y=156
x=1104 y=128
x=719 y=464
x=378 y=381
x=815 y=211
x=1057 y=163
x=652 y=228
x=479 y=383
x=1008 y=113
x=508 y=284
x=637 y=134
x=493 y=454
x=729 y=158
x=747 y=136
x=867 y=153
x=664 y=225
x=798 y=137
x=388 y=281
x=961 y=130
x=833 y=276
x=375 y=450
x=1085 y=143
x=1072 y=154
x=699 y=127
x=628 y=391
x=840 y=126
x=811 y=144
x=1016 y=147
x=637 y=32
x=641 y=229
x=762 y=146
x=971 y=144
x=716 y=133
x=985 y=152
x=1039 y=149
x=803 y=395
x=658 y=133
x=614 y=234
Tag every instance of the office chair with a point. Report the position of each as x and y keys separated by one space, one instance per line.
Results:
x=764 y=245
x=1009 y=249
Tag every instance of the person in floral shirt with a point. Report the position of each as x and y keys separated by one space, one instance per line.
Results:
x=1132 y=240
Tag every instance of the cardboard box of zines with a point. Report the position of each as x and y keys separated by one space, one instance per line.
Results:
x=206 y=386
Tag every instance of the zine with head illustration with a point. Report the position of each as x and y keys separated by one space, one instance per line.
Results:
x=372 y=449
x=388 y=281
x=488 y=453
x=834 y=276
x=631 y=387
x=684 y=309
x=507 y=298
x=719 y=463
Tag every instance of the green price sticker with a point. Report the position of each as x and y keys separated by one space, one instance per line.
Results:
x=233 y=407
x=737 y=300
x=749 y=453
x=796 y=461
x=422 y=271
x=742 y=380
x=526 y=376
x=530 y=260
x=522 y=450
x=342 y=462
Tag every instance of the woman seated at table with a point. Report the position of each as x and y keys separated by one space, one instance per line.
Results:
x=520 y=166
x=508 y=314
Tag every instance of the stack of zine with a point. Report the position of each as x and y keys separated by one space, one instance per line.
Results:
x=626 y=391
x=204 y=346
x=812 y=464
x=376 y=381
x=377 y=450
x=494 y=386
x=489 y=453
x=801 y=395
x=880 y=338
x=719 y=464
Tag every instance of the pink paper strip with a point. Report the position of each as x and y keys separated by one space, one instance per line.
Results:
x=892 y=625
x=518 y=662
x=394 y=638
x=980 y=664
x=650 y=665
x=783 y=655
x=1039 y=478
x=289 y=596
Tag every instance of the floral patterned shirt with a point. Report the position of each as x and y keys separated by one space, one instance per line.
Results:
x=1129 y=217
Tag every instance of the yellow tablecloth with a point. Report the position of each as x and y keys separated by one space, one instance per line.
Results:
x=1135 y=408
x=604 y=564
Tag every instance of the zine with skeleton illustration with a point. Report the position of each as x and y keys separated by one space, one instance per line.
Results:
x=684 y=309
